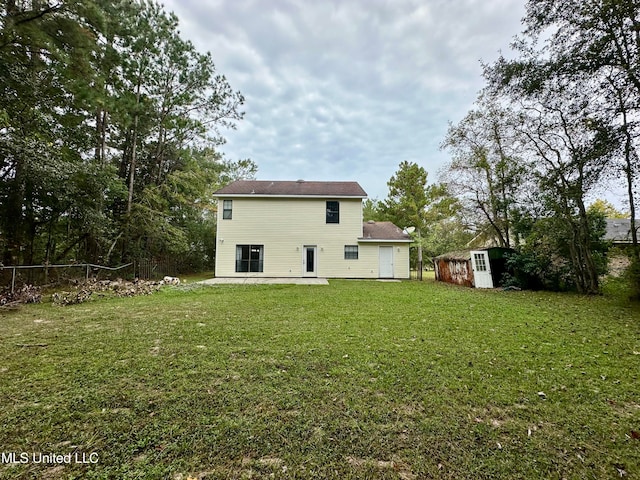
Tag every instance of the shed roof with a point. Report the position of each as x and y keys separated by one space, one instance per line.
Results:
x=387 y=231
x=619 y=230
x=494 y=253
x=455 y=255
x=292 y=189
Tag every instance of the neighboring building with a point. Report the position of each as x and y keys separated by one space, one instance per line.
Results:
x=482 y=268
x=304 y=229
x=619 y=230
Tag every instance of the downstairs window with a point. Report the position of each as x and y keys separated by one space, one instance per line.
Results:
x=350 y=252
x=249 y=258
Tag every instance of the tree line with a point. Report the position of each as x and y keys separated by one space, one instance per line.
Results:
x=111 y=126
x=555 y=122
x=110 y=131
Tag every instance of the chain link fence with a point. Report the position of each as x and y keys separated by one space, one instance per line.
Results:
x=14 y=276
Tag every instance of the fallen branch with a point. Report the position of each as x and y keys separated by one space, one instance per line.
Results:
x=26 y=294
x=28 y=345
x=10 y=305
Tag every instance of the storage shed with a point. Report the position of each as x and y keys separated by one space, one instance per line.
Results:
x=454 y=267
x=483 y=268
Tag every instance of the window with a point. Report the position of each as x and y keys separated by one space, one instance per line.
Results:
x=249 y=258
x=350 y=252
x=227 y=209
x=481 y=265
x=333 y=211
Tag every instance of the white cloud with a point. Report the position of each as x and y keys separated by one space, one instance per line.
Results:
x=346 y=89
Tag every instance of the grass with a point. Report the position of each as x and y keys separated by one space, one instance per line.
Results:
x=356 y=379
x=196 y=277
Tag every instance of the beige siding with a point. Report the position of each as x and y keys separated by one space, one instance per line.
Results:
x=369 y=261
x=284 y=226
x=402 y=262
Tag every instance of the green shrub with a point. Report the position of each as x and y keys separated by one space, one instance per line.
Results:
x=632 y=276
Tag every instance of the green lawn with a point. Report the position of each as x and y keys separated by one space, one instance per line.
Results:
x=352 y=380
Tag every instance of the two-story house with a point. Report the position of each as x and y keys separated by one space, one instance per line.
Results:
x=304 y=229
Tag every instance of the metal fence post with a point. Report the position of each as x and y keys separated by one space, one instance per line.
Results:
x=47 y=267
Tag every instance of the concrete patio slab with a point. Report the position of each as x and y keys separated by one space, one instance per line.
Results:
x=265 y=281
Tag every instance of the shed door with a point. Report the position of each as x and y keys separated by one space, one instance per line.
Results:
x=481 y=269
x=386 y=262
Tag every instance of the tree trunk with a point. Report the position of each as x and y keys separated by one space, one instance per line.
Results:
x=630 y=155
x=102 y=119
x=134 y=147
x=420 y=265
x=132 y=164
x=14 y=217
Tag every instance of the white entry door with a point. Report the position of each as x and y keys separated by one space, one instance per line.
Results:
x=386 y=262
x=481 y=269
x=310 y=261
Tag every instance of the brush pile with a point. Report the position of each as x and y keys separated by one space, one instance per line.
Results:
x=101 y=288
x=25 y=294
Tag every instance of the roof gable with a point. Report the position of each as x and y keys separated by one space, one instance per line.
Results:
x=300 y=188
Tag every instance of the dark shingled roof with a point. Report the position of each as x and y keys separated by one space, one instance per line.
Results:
x=293 y=188
x=382 y=231
x=619 y=230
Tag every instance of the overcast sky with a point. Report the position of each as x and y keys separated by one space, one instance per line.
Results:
x=347 y=89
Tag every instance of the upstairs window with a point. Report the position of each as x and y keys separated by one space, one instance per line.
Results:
x=333 y=211
x=227 y=209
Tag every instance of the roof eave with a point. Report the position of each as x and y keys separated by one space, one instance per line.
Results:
x=384 y=240
x=271 y=195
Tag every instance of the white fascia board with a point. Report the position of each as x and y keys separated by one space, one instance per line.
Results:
x=317 y=197
x=382 y=240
